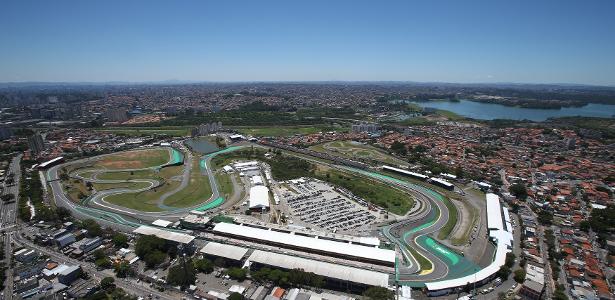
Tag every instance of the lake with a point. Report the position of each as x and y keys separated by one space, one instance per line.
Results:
x=489 y=111
x=202 y=145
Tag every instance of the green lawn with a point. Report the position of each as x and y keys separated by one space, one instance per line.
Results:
x=353 y=150
x=424 y=263
x=197 y=191
x=134 y=159
x=452 y=219
x=141 y=174
x=225 y=184
x=286 y=130
x=126 y=185
x=390 y=198
x=147 y=200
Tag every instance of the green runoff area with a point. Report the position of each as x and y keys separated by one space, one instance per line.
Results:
x=357 y=150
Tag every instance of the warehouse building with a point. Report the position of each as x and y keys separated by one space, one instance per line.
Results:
x=317 y=245
x=259 y=198
x=337 y=276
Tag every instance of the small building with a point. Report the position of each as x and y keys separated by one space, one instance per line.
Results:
x=25 y=255
x=91 y=244
x=162 y=223
x=70 y=274
x=194 y=221
x=65 y=240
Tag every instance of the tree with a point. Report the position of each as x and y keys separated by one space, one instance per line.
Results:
x=122 y=270
x=98 y=254
x=154 y=258
x=518 y=190
x=238 y=274
x=378 y=293
x=107 y=283
x=92 y=227
x=399 y=148
x=545 y=217
x=510 y=259
x=63 y=213
x=503 y=272
x=235 y=296
x=204 y=265
x=103 y=263
x=120 y=240
x=182 y=274
x=519 y=276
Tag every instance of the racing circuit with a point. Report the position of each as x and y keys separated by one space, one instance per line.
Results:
x=421 y=258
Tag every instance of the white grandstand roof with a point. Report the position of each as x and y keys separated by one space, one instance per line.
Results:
x=164 y=234
x=224 y=250
x=246 y=164
x=441 y=181
x=405 y=172
x=306 y=242
x=45 y=164
x=259 y=196
x=503 y=241
x=494 y=212
x=162 y=223
x=329 y=270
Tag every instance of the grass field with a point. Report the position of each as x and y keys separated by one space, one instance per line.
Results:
x=424 y=263
x=197 y=191
x=141 y=174
x=452 y=219
x=134 y=159
x=287 y=130
x=125 y=185
x=147 y=200
x=225 y=184
x=355 y=150
x=390 y=198
x=148 y=131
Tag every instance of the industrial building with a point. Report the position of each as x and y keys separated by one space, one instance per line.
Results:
x=302 y=242
x=259 y=198
x=91 y=244
x=337 y=276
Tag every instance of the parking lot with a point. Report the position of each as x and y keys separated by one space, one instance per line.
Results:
x=320 y=204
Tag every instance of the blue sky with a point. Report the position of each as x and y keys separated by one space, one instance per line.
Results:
x=446 y=41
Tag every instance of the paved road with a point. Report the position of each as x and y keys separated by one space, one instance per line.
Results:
x=8 y=221
x=133 y=289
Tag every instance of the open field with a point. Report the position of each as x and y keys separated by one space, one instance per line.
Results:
x=147 y=200
x=198 y=189
x=287 y=130
x=355 y=150
x=75 y=189
x=124 y=185
x=126 y=175
x=134 y=159
x=148 y=131
x=390 y=198
x=452 y=219
x=465 y=235
x=225 y=185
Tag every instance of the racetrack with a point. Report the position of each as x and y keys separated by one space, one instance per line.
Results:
x=412 y=234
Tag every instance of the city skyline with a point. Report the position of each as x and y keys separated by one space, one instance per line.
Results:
x=478 y=42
